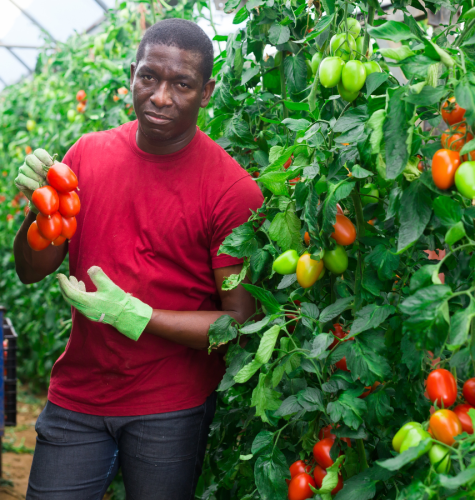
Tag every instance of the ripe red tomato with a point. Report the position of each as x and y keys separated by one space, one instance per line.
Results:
x=326 y=432
x=62 y=178
x=342 y=364
x=321 y=452
x=442 y=387
x=49 y=227
x=469 y=391
x=299 y=467
x=337 y=331
x=299 y=488
x=69 y=227
x=366 y=392
x=345 y=232
x=288 y=162
x=320 y=473
x=445 y=425
x=81 y=95
x=69 y=204
x=58 y=241
x=255 y=174
x=451 y=112
x=462 y=413
x=455 y=139
x=291 y=326
x=292 y=182
x=46 y=200
x=123 y=91
x=34 y=238
x=444 y=165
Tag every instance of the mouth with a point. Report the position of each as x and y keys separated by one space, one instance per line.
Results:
x=157 y=119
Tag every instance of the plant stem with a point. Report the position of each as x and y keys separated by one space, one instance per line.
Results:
x=369 y=22
x=472 y=342
x=464 y=33
x=360 y=231
x=361 y=454
x=282 y=85
x=152 y=7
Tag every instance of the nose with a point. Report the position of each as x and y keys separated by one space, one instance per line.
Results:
x=162 y=98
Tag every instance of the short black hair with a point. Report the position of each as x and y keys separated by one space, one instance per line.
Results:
x=184 y=35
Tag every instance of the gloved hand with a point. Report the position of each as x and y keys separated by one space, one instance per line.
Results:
x=32 y=174
x=109 y=304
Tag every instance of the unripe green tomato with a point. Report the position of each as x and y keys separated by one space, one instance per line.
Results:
x=413 y=438
x=50 y=94
x=401 y=434
x=341 y=47
x=354 y=27
x=30 y=125
x=316 y=60
x=80 y=118
x=465 y=179
x=345 y=94
x=353 y=76
x=71 y=114
x=286 y=263
x=330 y=71
x=371 y=190
x=360 y=46
x=439 y=453
x=372 y=67
x=336 y=260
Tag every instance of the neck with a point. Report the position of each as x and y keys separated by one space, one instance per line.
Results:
x=166 y=147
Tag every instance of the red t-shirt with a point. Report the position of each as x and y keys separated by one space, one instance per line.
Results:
x=154 y=224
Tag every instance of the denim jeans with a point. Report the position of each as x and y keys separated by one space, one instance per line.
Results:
x=77 y=455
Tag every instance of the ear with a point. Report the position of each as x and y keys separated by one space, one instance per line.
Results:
x=133 y=67
x=207 y=92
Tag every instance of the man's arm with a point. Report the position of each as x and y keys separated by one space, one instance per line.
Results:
x=32 y=266
x=190 y=328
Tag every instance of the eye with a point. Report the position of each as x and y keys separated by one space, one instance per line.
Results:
x=183 y=85
x=147 y=77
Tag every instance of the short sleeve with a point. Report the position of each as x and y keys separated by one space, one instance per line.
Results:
x=73 y=156
x=232 y=210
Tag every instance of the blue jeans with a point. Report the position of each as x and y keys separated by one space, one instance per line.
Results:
x=77 y=455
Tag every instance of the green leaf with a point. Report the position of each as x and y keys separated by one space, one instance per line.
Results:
x=351 y=119
x=398 y=54
x=267 y=344
x=256 y=327
x=270 y=475
x=296 y=125
x=374 y=81
x=230 y=5
x=221 y=331
x=371 y=316
x=465 y=97
x=469 y=146
x=427 y=96
x=264 y=297
x=289 y=406
x=404 y=458
x=360 y=172
x=247 y=372
x=439 y=54
x=249 y=74
x=263 y=440
x=384 y=261
x=391 y=30
x=237 y=131
x=460 y=325
x=241 y=15
x=415 y=200
x=296 y=106
x=470 y=14
x=416 y=66
x=448 y=211
x=422 y=277
x=231 y=282
x=264 y=397
x=285 y=230
x=320 y=344
x=240 y=243
x=320 y=27
x=465 y=477
x=295 y=70
x=379 y=408
x=455 y=233
x=347 y=408
x=376 y=124
x=335 y=309
x=279 y=34
x=309 y=310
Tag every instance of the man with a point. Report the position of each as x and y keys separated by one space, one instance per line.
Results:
x=135 y=386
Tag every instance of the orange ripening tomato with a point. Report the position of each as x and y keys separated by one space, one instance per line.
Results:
x=326 y=432
x=28 y=150
x=456 y=139
x=321 y=452
x=69 y=227
x=46 y=200
x=58 y=241
x=445 y=425
x=81 y=95
x=319 y=474
x=123 y=91
x=444 y=165
x=345 y=232
x=442 y=387
x=342 y=364
x=462 y=413
x=306 y=238
x=308 y=270
x=34 y=238
x=69 y=204
x=62 y=178
x=115 y=98
x=299 y=488
x=81 y=107
x=469 y=391
x=299 y=467
x=366 y=392
x=451 y=112
x=49 y=227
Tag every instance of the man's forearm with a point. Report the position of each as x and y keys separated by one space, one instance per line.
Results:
x=189 y=328
x=32 y=266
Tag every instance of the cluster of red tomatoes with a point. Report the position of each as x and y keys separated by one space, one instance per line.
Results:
x=82 y=101
x=444 y=424
x=448 y=167
x=58 y=204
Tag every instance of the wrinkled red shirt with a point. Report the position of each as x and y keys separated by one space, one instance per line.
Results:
x=154 y=224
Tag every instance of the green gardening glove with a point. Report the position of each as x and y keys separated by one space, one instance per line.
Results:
x=109 y=304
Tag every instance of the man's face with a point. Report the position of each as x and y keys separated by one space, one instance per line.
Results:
x=168 y=91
